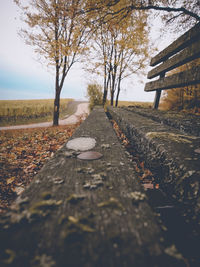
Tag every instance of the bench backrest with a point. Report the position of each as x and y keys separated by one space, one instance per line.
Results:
x=183 y=50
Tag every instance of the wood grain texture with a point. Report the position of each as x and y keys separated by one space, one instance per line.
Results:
x=84 y=213
x=180 y=79
x=169 y=153
x=185 y=56
x=182 y=42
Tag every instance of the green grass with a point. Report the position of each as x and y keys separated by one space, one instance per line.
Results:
x=13 y=112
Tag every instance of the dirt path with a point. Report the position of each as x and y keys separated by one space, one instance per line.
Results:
x=81 y=110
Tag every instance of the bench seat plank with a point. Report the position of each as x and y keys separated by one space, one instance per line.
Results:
x=171 y=155
x=185 y=123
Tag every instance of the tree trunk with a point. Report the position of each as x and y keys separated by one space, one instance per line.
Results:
x=105 y=96
x=57 y=99
x=112 y=91
x=117 y=97
x=112 y=98
x=56 y=108
x=57 y=88
x=105 y=93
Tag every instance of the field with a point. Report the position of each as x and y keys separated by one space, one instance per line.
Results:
x=14 y=112
x=134 y=103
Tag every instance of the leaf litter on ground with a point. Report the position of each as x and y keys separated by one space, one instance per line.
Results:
x=144 y=174
x=23 y=153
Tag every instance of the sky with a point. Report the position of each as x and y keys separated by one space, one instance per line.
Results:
x=22 y=76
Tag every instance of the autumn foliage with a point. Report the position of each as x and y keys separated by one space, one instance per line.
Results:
x=22 y=155
x=185 y=98
x=144 y=174
x=119 y=49
x=95 y=95
x=57 y=31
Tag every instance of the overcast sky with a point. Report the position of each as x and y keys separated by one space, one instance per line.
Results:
x=22 y=76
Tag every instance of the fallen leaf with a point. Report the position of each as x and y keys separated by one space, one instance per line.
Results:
x=23 y=153
x=18 y=190
x=157 y=186
x=10 y=180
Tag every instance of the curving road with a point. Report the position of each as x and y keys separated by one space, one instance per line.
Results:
x=82 y=111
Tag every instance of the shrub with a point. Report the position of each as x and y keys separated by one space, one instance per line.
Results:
x=95 y=95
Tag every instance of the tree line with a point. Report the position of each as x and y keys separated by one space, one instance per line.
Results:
x=112 y=35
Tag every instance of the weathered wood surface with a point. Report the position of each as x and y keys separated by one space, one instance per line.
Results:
x=185 y=123
x=181 y=79
x=172 y=156
x=84 y=213
x=190 y=44
x=187 y=55
x=182 y=42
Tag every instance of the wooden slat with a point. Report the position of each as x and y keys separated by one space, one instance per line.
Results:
x=180 y=79
x=188 y=54
x=182 y=42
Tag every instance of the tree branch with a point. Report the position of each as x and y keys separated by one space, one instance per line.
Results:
x=169 y=9
x=145 y=7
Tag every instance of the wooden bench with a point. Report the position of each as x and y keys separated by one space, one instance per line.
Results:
x=169 y=145
x=85 y=212
x=185 y=49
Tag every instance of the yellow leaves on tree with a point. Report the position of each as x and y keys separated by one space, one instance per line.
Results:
x=58 y=32
x=120 y=46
